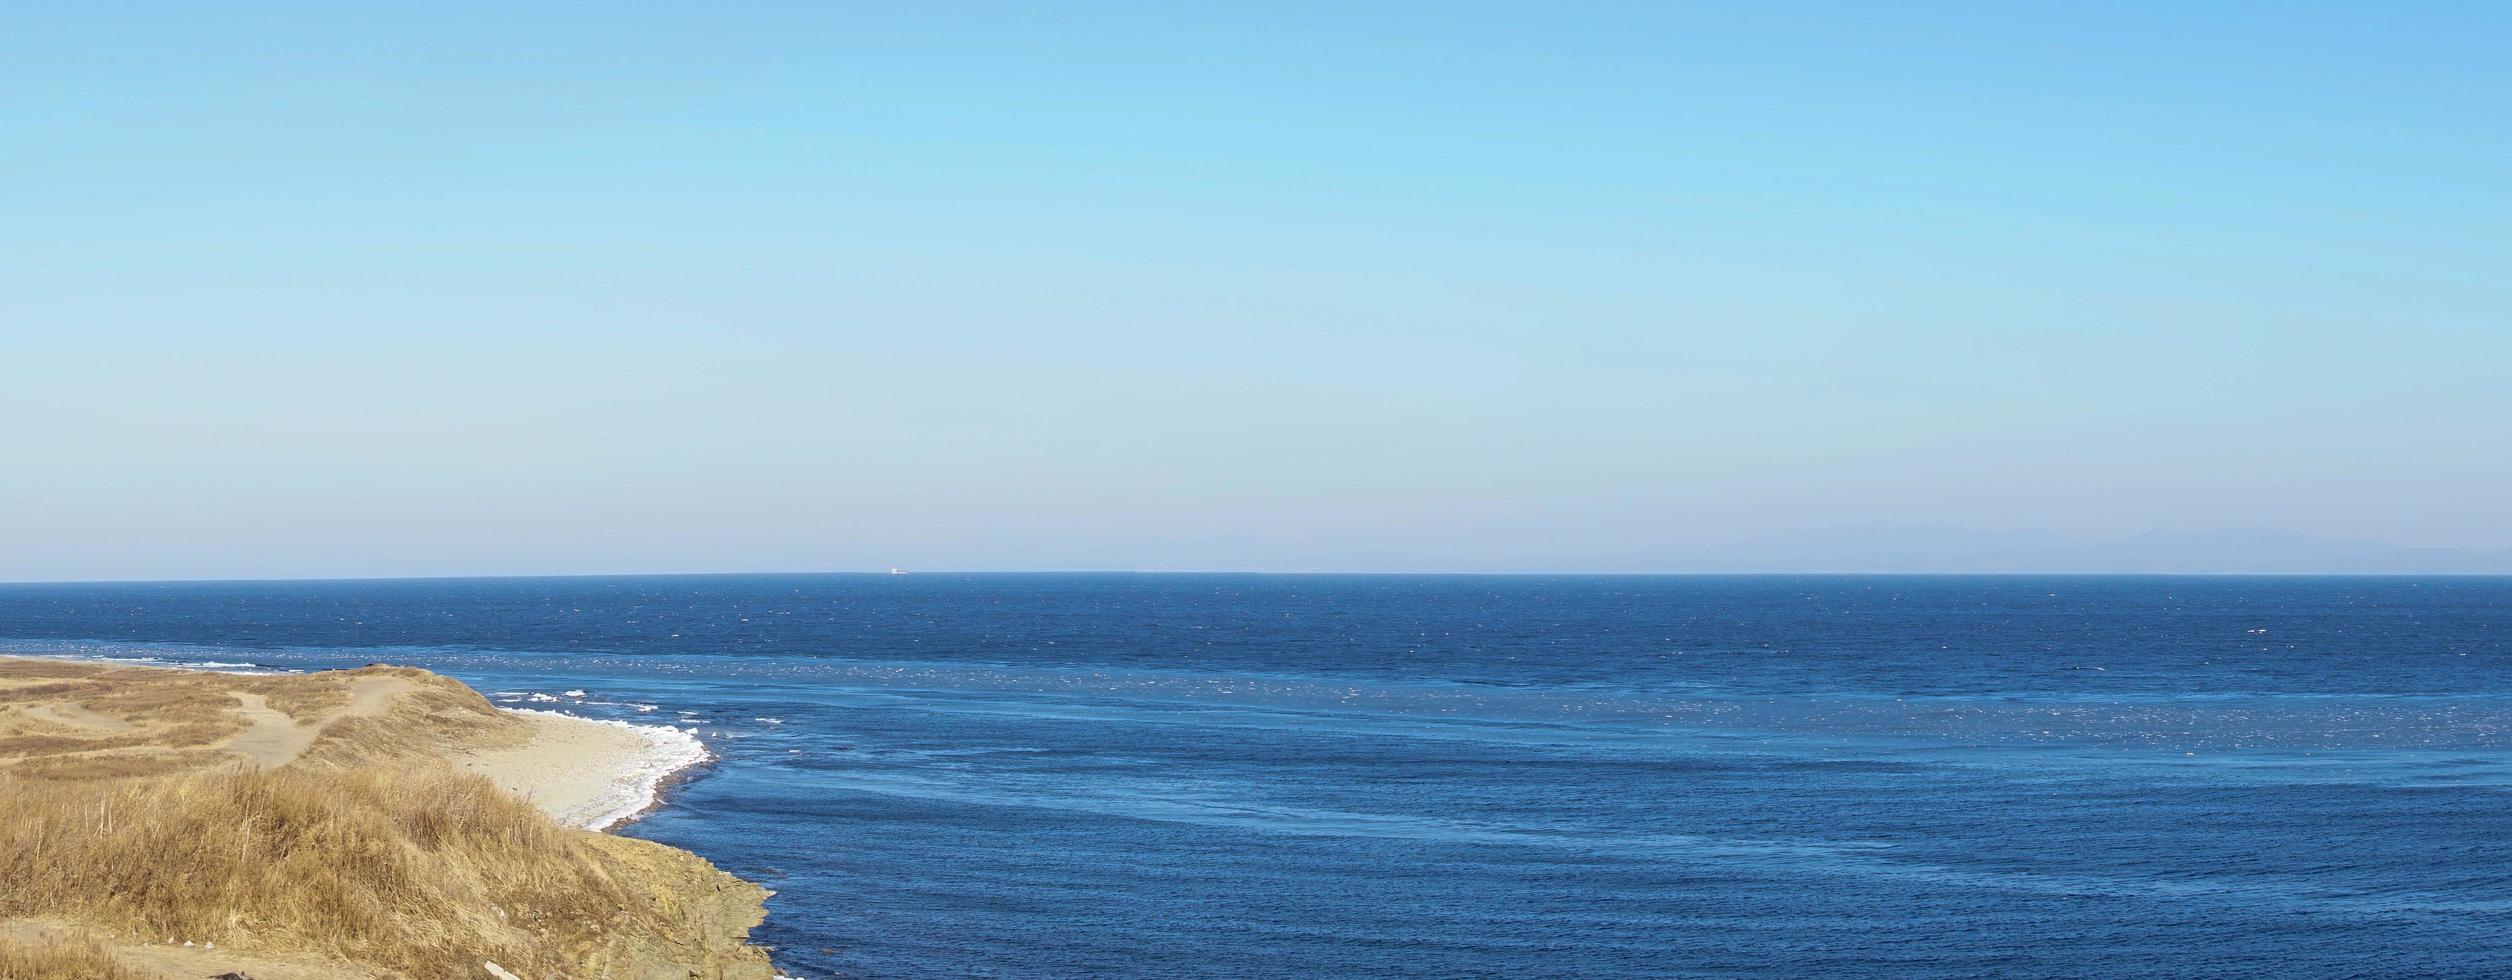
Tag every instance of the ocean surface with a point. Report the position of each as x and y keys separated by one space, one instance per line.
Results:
x=1187 y=775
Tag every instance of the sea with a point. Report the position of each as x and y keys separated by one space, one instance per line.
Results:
x=1469 y=776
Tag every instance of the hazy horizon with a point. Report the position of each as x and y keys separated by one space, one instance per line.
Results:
x=303 y=292
x=2249 y=552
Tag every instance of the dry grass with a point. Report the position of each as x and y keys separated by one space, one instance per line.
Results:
x=421 y=870
x=367 y=849
x=55 y=960
x=434 y=711
x=175 y=717
x=117 y=766
x=162 y=713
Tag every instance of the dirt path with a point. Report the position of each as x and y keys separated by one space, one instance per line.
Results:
x=371 y=695
x=273 y=739
x=173 y=961
x=76 y=715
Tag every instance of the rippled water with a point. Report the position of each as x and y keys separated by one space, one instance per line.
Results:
x=1240 y=775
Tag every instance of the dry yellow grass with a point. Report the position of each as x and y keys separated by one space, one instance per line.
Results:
x=419 y=870
x=367 y=848
x=117 y=722
x=56 y=960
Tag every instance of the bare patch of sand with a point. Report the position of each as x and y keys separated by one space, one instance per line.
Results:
x=180 y=959
x=269 y=738
x=273 y=738
x=564 y=768
x=75 y=715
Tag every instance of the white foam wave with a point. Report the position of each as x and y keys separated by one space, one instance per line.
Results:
x=637 y=785
x=212 y=666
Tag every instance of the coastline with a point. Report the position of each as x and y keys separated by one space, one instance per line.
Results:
x=586 y=773
x=590 y=773
x=279 y=810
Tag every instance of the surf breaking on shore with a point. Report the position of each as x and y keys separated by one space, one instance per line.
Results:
x=590 y=772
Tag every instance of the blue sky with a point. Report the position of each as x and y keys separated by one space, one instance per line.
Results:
x=304 y=290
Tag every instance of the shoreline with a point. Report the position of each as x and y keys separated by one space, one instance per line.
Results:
x=268 y=803
x=580 y=771
x=590 y=773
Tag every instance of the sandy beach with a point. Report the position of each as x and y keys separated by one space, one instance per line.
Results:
x=586 y=773
x=375 y=822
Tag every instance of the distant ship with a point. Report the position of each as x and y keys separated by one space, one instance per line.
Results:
x=895 y=570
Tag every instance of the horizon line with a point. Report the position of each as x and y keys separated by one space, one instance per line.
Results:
x=1310 y=573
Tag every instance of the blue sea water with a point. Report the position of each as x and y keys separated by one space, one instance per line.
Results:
x=1185 y=775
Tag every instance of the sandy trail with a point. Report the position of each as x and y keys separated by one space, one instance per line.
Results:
x=77 y=715
x=173 y=960
x=273 y=739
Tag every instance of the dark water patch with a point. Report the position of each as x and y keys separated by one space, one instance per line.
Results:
x=1391 y=776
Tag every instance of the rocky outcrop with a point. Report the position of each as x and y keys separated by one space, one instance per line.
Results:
x=711 y=914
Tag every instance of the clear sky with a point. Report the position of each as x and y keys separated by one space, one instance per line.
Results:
x=333 y=289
